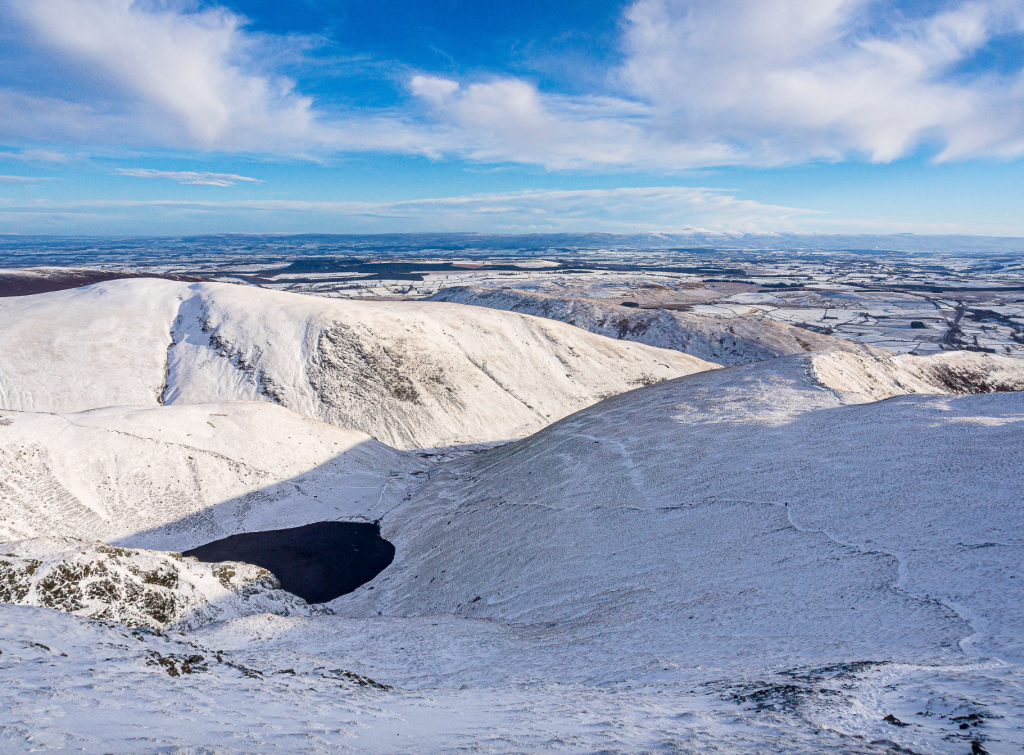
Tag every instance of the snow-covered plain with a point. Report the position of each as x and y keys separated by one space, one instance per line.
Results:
x=411 y=374
x=815 y=553
x=728 y=342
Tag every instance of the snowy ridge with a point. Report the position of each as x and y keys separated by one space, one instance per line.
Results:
x=179 y=476
x=138 y=588
x=745 y=510
x=411 y=374
x=727 y=342
x=41 y=280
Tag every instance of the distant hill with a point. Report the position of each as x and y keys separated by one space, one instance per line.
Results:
x=725 y=341
x=411 y=374
x=42 y=280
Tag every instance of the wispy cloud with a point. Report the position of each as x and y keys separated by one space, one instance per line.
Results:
x=35 y=156
x=671 y=209
x=761 y=82
x=16 y=180
x=628 y=209
x=202 y=178
x=159 y=72
x=796 y=79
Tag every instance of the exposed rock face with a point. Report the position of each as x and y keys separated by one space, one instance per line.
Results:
x=138 y=588
x=724 y=341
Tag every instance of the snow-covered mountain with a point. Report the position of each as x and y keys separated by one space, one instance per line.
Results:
x=819 y=552
x=411 y=374
x=175 y=477
x=178 y=476
x=728 y=342
x=772 y=510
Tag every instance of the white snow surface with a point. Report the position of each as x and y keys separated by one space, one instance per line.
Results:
x=736 y=513
x=138 y=588
x=727 y=342
x=773 y=557
x=176 y=477
x=299 y=685
x=411 y=374
x=181 y=475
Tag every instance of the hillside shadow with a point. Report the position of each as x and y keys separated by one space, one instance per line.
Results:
x=318 y=532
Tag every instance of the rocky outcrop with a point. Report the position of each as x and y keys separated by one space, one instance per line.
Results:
x=138 y=588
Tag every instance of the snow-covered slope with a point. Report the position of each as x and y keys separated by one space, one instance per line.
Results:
x=738 y=514
x=728 y=342
x=138 y=588
x=268 y=684
x=176 y=477
x=411 y=374
x=757 y=559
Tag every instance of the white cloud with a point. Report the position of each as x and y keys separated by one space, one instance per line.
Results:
x=433 y=88
x=189 y=177
x=763 y=82
x=670 y=210
x=650 y=208
x=167 y=74
x=748 y=82
x=509 y=120
x=35 y=155
x=164 y=73
x=796 y=79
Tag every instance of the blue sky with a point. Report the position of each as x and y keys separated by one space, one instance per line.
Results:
x=818 y=116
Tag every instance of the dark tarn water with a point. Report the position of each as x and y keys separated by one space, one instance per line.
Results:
x=317 y=562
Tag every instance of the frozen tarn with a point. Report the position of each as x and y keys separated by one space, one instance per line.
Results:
x=411 y=374
x=724 y=341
